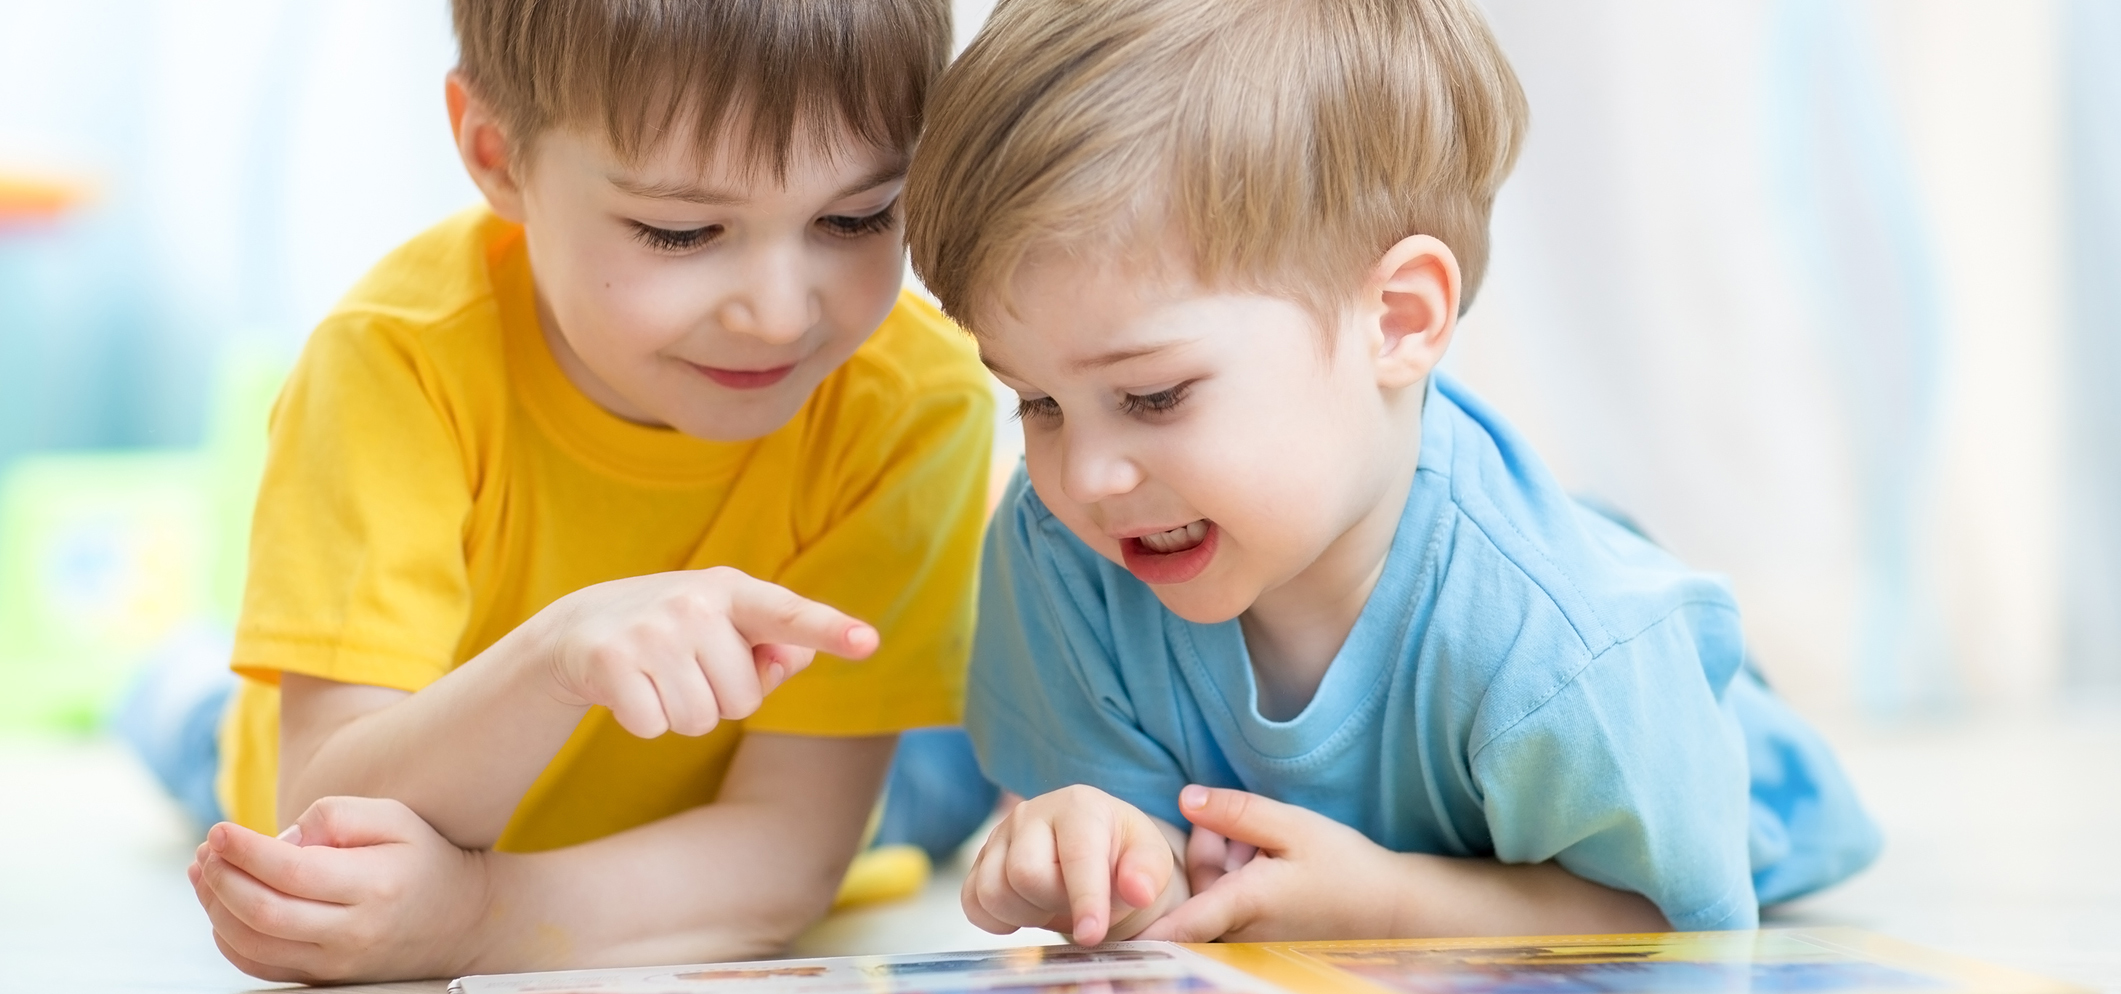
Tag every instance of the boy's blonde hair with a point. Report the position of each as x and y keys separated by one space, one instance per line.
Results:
x=1286 y=144
x=641 y=69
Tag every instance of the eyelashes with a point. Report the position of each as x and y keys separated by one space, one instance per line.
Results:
x=674 y=240
x=1155 y=403
x=1037 y=409
x=680 y=240
x=1133 y=405
x=867 y=224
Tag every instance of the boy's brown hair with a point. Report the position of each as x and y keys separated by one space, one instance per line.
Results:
x=1286 y=144
x=642 y=69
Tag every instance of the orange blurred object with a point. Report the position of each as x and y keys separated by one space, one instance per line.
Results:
x=32 y=199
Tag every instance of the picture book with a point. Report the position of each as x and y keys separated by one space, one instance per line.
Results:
x=1770 y=961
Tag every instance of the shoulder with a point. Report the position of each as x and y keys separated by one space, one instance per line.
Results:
x=427 y=312
x=1524 y=558
x=916 y=382
x=1608 y=581
x=430 y=302
x=916 y=353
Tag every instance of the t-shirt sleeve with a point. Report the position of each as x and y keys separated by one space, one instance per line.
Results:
x=1631 y=774
x=1047 y=706
x=902 y=553
x=357 y=570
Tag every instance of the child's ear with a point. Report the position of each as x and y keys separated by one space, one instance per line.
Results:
x=1413 y=291
x=484 y=148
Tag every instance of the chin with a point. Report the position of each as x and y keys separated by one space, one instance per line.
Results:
x=1202 y=601
x=738 y=422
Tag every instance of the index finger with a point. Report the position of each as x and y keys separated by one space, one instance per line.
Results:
x=1086 y=858
x=764 y=612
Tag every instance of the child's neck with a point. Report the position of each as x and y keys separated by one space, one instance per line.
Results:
x=1293 y=631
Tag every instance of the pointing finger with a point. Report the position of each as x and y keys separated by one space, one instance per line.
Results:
x=764 y=612
x=1086 y=866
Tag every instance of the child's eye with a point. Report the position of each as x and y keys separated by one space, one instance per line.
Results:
x=1038 y=409
x=1155 y=403
x=674 y=240
x=867 y=224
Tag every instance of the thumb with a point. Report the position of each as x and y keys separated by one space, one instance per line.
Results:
x=1242 y=816
x=350 y=822
x=1204 y=917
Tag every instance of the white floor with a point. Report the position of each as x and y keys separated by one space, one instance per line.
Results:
x=2004 y=843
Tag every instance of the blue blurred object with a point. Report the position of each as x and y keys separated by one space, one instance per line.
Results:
x=172 y=717
x=936 y=796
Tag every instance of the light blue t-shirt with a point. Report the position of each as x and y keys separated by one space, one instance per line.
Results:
x=1529 y=681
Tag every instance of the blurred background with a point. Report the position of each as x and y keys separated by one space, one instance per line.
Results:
x=1826 y=293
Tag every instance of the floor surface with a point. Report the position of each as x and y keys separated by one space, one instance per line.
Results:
x=2003 y=843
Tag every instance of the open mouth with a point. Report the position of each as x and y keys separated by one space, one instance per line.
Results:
x=746 y=379
x=1173 y=555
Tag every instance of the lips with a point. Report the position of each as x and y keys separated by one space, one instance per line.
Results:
x=1172 y=556
x=745 y=379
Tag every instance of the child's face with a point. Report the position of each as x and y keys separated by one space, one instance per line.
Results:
x=702 y=296
x=1217 y=445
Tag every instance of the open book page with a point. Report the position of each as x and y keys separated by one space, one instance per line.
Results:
x=1118 y=968
x=1771 y=961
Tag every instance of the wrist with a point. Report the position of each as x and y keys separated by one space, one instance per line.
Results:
x=531 y=658
x=1417 y=885
x=493 y=886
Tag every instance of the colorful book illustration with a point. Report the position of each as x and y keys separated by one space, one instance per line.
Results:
x=1771 y=961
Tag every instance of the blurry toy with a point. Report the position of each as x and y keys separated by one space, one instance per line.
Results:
x=26 y=199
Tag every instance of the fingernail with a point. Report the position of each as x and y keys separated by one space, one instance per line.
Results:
x=775 y=673
x=862 y=638
x=1194 y=796
x=292 y=834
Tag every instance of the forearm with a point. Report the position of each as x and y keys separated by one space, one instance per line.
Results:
x=1445 y=896
x=735 y=879
x=461 y=752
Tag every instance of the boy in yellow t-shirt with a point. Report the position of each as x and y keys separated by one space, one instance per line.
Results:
x=610 y=457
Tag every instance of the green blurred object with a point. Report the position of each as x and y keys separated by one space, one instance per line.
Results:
x=105 y=555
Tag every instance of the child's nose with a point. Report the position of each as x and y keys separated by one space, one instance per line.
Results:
x=777 y=311
x=1093 y=470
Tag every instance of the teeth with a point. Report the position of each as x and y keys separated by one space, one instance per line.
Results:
x=1178 y=539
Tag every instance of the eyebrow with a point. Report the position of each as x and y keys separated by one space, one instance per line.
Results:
x=1118 y=356
x=1111 y=358
x=693 y=193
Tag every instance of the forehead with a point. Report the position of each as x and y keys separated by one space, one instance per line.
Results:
x=1069 y=317
x=727 y=169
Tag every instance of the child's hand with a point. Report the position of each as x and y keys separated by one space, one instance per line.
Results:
x=682 y=651
x=357 y=889
x=1077 y=861
x=1261 y=869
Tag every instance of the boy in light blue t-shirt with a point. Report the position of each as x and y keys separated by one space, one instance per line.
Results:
x=1271 y=576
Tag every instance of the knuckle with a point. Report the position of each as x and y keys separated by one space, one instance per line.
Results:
x=607 y=657
x=361 y=933
x=268 y=917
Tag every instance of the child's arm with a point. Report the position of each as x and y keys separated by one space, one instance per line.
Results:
x=1076 y=861
x=671 y=651
x=1314 y=878
x=374 y=894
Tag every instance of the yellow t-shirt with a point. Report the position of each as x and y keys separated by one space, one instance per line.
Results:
x=434 y=480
